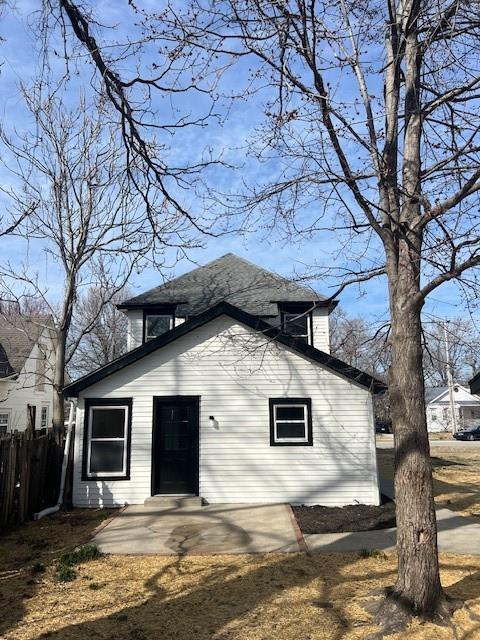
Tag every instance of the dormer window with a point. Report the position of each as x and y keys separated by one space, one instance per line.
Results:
x=156 y=323
x=296 y=321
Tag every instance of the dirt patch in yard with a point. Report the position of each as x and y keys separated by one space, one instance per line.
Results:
x=355 y=517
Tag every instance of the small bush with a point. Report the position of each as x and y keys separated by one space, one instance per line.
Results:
x=95 y=586
x=65 y=573
x=80 y=554
x=65 y=570
x=371 y=553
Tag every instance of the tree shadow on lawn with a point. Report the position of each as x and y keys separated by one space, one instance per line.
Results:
x=272 y=596
x=261 y=599
x=289 y=596
x=188 y=598
x=26 y=552
x=455 y=496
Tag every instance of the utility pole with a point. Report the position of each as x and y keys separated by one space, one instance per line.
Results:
x=450 y=379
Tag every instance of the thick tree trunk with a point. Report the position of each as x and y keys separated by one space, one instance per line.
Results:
x=418 y=583
x=418 y=590
x=58 y=384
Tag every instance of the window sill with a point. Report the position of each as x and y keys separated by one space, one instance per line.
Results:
x=102 y=478
x=291 y=444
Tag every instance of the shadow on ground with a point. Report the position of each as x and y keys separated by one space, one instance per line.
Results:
x=286 y=596
x=456 y=480
x=27 y=552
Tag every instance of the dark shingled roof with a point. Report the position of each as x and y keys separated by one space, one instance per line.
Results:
x=231 y=279
x=433 y=392
x=18 y=335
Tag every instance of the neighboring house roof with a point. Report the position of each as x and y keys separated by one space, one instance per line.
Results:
x=440 y=395
x=431 y=393
x=254 y=322
x=474 y=383
x=18 y=336
x=229 y=278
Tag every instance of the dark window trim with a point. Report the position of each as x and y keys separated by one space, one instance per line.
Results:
x=286 y=311
x=279 y=401
x=156 y=311
x=89 y=402
x=158 y=400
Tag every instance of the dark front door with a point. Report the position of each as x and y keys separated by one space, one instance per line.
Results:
x=175 y=445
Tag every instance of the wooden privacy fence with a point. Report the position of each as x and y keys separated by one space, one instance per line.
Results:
x=30 y=470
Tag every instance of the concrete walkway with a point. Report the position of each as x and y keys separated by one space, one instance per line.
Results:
x=250 y=528
x=456 y=534
x=211 y=529
x=385 y=441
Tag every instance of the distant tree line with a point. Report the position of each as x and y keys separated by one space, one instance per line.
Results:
x=365 y=345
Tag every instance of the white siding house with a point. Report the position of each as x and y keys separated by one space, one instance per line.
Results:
x=235 y=371
x=26 y=373
x=439 y=412
x=227 y=391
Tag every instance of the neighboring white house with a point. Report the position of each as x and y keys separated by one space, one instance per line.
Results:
x=439 y=414
x=228 y=392
x=26 y=368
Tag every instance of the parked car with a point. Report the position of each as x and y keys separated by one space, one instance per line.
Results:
x=472 y=433
x=382 y=426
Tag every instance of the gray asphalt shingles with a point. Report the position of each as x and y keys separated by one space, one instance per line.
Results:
x=231 y=279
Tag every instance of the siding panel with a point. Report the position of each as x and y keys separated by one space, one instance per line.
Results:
x=236 y=371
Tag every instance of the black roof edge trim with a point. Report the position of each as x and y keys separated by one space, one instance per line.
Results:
x=150 y=305
x=331 y=304
x=254 y=322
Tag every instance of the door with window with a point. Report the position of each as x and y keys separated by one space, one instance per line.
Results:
x=175 y=445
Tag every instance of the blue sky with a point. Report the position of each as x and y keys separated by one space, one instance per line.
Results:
x=19 y=60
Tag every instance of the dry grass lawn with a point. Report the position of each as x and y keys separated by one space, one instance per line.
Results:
x=456 y=475
x=277 y=596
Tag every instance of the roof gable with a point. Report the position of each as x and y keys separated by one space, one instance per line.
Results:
x=231 y=279
x=434 y=393
x=255 y=323
x=18 y=336
x=440 y=395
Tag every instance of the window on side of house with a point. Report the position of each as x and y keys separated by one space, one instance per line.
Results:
x=291 y=421
x=106 y=443
x=296 y=321
x=433 y=415
x=44 y=417
x=156 y=324
x=4 y=421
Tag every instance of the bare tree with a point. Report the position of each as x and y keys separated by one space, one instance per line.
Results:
x=363 y=345
x=90 y=225
x=464 y=355
x=145 y=87
x=106 y=339
x=372 y=126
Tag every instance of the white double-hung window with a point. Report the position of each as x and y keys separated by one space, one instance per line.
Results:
x=106 y=444
x=156 y=324
x=290 y=421
x=4 y=420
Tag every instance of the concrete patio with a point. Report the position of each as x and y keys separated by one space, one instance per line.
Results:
x=186 y=527
x=210 y=529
